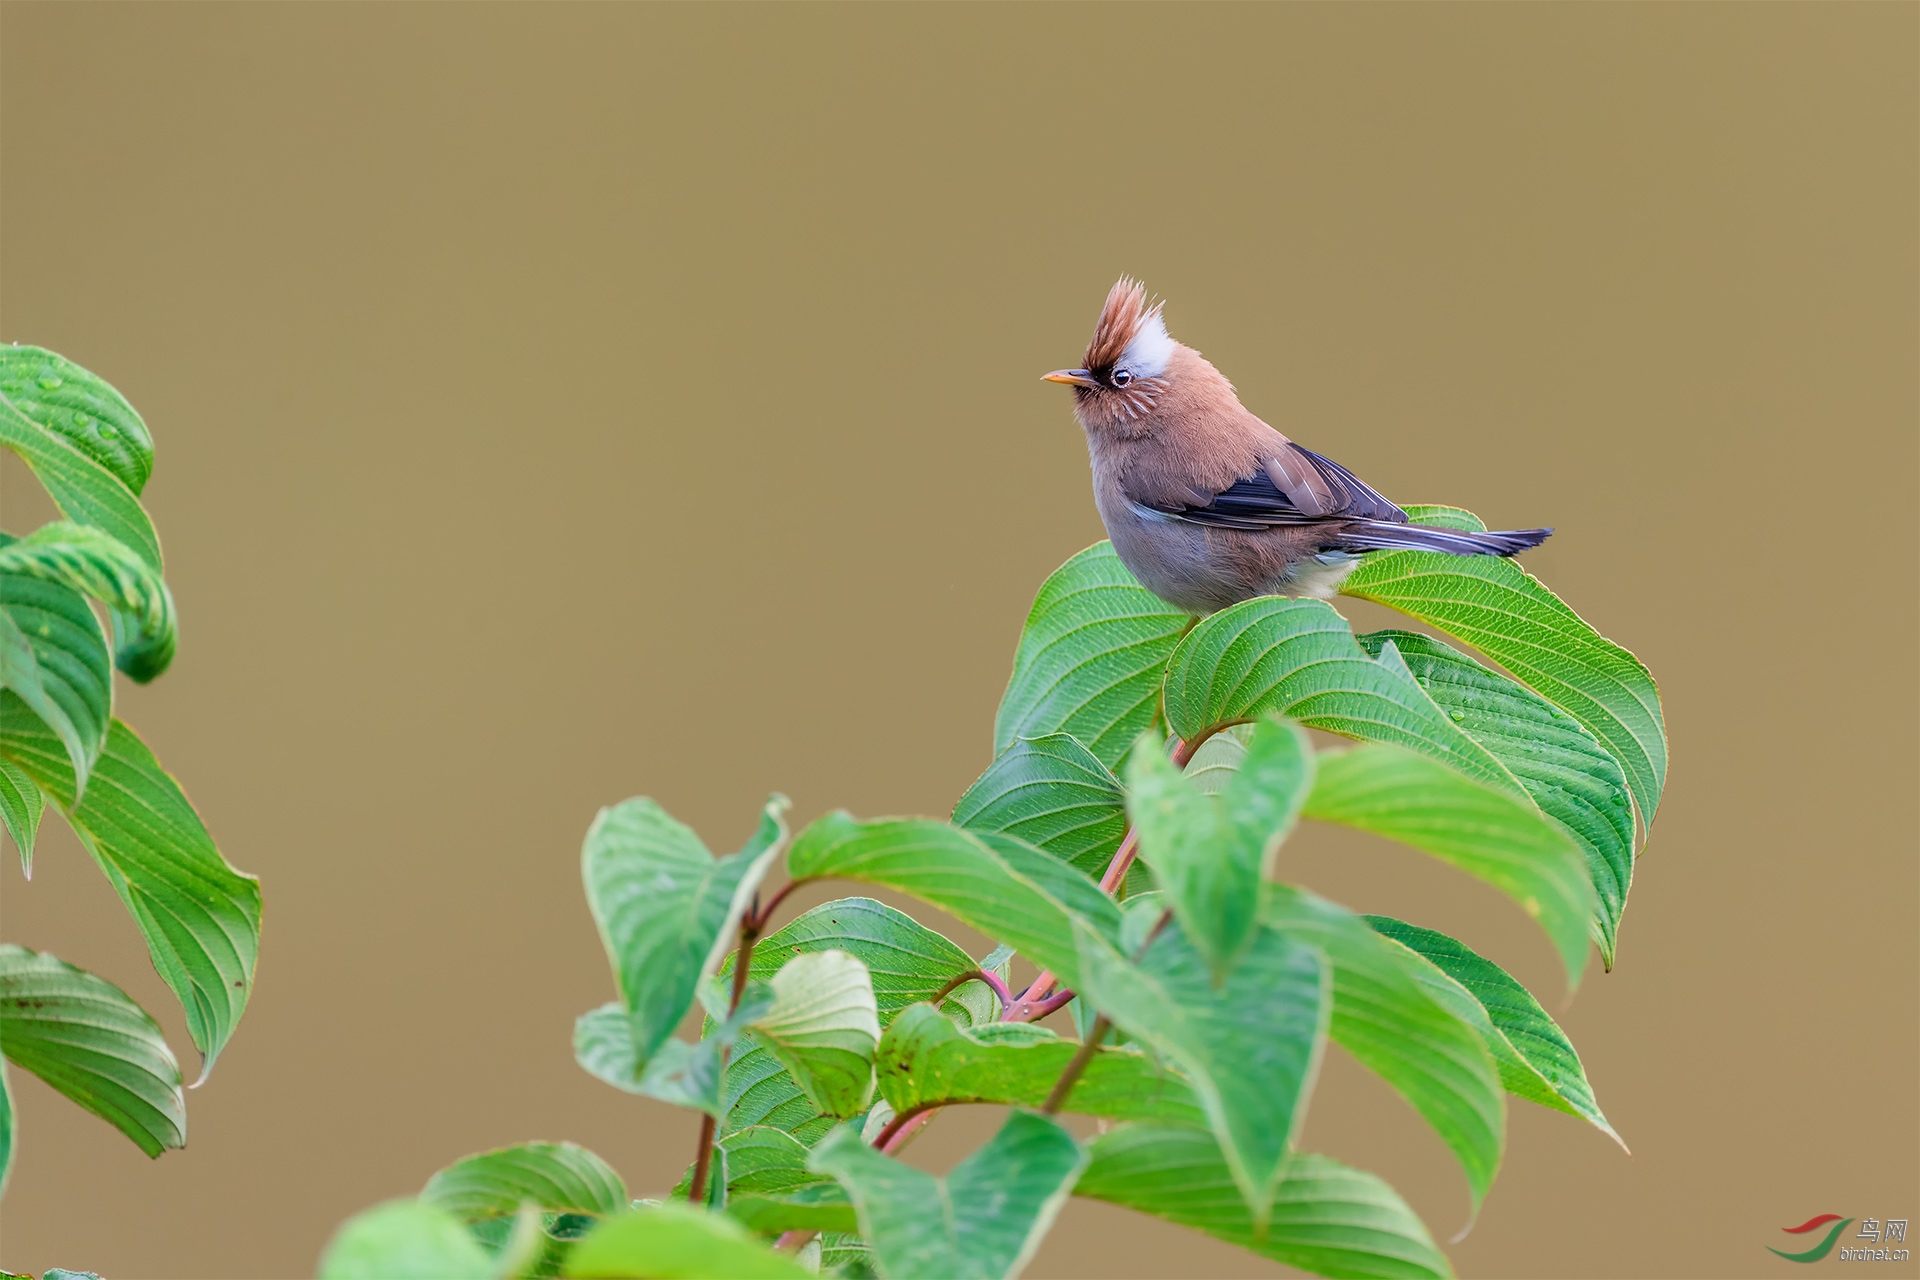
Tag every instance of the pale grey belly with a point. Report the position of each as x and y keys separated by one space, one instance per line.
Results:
x=1182 y=564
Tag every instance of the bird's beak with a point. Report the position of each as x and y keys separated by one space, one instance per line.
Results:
x=1072 y=377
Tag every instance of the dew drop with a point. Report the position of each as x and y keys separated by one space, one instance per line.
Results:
x=50 y=382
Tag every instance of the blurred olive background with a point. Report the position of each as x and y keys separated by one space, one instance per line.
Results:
x=556 y=404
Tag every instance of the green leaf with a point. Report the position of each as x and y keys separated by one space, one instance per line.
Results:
x=906 y=961
x=1001 y=886
x=96 y=565
x=1327 y=1219
x=1211 y=853
x=1571 y=777
x=1394 y=1027
x=1494 y=605
x=1536 y=1060
x=404 y=1240
x=1489 y=834
x=554 y=1176
x=85 y=491
x=1445 y=517
x=823 y=1027
x=89 y=1040
x=79 y=407
x=20 y=807
x=982 y=1221
x=6 y=1131
x=1090 y=658
x=53 y=657
x=678 y=1242
x=771 y=1190
x=667 y=909
x=1054 y=794
x=1250 y=1047
x=685 y=1075
x=201 y=918
x=1299 y=658
x=925 y=1061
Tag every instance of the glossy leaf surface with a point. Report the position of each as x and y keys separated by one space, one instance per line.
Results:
x=1568 y=773
x=1326 y=1219
x=1090 y=658
x=1494 y=605
x=1538 y=1062
x=1490 y=834
x=1299 y=659
x=1394 y=1027
x=1054 y=794
x=553 y=1176
x=201 y=918
x=89 y=1040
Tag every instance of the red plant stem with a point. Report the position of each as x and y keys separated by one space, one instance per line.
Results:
x=1122 y=861
x=1071 y=1076
x=743 y=960
x=897 y=1132
x=760 y=915
x=795 y=1240
x=697 y=1191
x=974 y=975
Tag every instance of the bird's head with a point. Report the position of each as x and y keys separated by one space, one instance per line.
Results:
x=1126 y=367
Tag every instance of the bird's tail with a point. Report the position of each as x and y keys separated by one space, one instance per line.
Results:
x=1381 y=535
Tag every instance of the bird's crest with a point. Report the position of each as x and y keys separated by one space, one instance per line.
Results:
x=1126 y=316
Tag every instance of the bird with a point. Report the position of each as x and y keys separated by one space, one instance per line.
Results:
x=1207 y=505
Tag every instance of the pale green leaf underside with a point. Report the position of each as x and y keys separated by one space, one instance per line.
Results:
x=1210 y=853
x=200 y=917
x=981 y=1222
x=907 y=963
x=677 y=1242
x=553 y=1176
x=89 y=1040
x=1326 y=1219
x=404 y=1240
x=823 y=1026
x=1299 y=659
x=21 y=805
x=666 y=908
x=1568 y=773
x=1538 y=1062
x=1090 y=658
x=1250 y=1047
x=54 y=658
x=925 y=1061
x=1494 y=605
x=1493 y=835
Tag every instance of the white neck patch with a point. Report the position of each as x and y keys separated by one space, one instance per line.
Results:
x=1152 y=347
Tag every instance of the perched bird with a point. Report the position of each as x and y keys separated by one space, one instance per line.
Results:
x=1205 y=503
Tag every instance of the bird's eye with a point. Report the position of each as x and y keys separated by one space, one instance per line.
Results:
x=1120 y=378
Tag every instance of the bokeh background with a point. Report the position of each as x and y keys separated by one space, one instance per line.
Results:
x=556 y=404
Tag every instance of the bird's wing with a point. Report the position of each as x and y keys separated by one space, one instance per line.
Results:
x=1295 y=486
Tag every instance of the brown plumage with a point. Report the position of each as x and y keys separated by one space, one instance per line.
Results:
x=1207 y=504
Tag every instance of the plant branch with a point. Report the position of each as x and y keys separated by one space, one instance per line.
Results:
x=1071 y=1076
x=761 y=915
x=742 y=961
x=974 y=975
